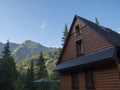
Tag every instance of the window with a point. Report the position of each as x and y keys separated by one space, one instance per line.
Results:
x=79 y=47
x=74 y=81
x=89 y=80
x=77 y=30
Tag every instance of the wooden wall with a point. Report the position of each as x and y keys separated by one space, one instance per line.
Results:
x=92 y=41
x=107 y=79
x=65 y=82
x=104 y=79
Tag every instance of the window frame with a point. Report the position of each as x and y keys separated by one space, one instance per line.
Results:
x=79 y=47
x=74 y=79
x=89 y=79
x=77 y=30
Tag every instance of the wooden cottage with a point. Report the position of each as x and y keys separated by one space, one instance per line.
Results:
x=90 y=58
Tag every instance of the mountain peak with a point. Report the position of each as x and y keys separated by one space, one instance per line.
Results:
x=30 y=44
x=26 y=49
x=29 y=41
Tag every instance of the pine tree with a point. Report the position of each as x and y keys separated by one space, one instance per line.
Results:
x=29 y=76
x=42 y=68
x=96 y=21
x=2 y=74
x=32 y=70
x=9 y=72
x=20 y=83
x=65 y=34
x=28 y=80
x=6 y=51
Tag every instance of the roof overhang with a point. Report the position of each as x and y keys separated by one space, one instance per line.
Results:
x=94 y=57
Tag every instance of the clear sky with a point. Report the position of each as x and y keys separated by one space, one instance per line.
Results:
x=43 y=21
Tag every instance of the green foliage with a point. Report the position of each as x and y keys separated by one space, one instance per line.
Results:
x=50 y=60
x=96 y=21
x=36 y=66
x=31 y=70
x=53 y=55
x=42 y=72
x=29 y=79
x=6 y=50
x=8 y=73
x=25 y=77
x=50 y=64
x=20 y=82
x=65 y=34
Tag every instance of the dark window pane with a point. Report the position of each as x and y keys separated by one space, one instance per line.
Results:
x=74 y=81
x=77 y=30
x=79 y=47
x=89 y=79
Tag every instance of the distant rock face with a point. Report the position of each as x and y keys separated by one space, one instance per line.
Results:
x=25 y=49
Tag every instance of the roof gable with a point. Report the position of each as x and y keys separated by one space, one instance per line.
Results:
x=108 y=34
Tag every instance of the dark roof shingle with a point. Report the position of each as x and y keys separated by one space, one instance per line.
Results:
x=86 y=59
x=109 y=34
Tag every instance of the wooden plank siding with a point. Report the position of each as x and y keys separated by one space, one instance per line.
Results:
x=81 y=81
x=92 y=41
x=107 y=79
x=104 y=79
x=105 y=72
x=65 y=82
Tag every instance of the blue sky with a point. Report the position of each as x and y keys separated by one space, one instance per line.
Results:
x=43 y=21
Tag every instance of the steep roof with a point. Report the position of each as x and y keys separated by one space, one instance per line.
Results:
x=110 y=35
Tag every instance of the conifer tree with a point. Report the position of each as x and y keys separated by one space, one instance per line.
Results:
x=42 y=68
x=9 y=72
x=96 y=21
x=32 y=70
x=20 y=83
x=29 y=76
x=65 y=34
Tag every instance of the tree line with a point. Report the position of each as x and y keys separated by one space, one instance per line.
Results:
x=12 y=78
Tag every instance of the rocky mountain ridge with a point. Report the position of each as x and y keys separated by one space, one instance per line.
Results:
x=25 y=49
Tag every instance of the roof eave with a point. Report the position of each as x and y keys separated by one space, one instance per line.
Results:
x=112 y=50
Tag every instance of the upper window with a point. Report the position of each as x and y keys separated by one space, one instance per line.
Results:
x=79 y=45
x=74 y=81
x=77 y=29
x=89 y=80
